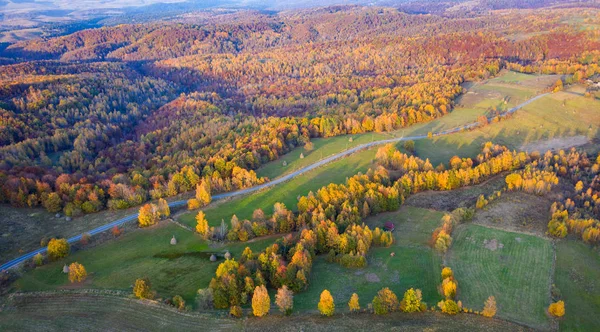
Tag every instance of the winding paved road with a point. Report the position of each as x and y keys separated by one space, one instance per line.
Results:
x=279 y=180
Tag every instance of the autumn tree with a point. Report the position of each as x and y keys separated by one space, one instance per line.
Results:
x=385 y=302
x=411 y=302
x=353 y=304
x=449 y=307
x=53 y=203
x=77 y=272
x=163 y=208
x=148 y=215
x=449 y=288
x=558 y=86
x=202 y=225
x=203 y=193
x=489 y=309
x=142 y=289
x=58 y=248
x=261 y=302
x=116 y=232
x=447 y=273
x=193 y=204
x=284 y=300
x=326 y=305
x=557 y=309
x=308 y=146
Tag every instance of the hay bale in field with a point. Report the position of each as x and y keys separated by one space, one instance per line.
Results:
x=173 y=241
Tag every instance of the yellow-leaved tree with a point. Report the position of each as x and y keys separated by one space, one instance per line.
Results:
x=261 y=302
x=58 y=248
x=203 y=193
x=77 y=272
x=385 y=302
x=163 y=208
x=411 y=302
x=202 y=225
x=148 y=215
x=142 y=289
x=557 y=309
x=489 y=309
x=326 y=305
x=353 y=304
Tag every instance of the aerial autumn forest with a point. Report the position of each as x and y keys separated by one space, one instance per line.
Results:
x=424 y=164
x=152 y=109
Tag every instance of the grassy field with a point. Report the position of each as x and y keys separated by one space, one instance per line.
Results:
x=173 y=270
x=541 y=120
x=576 y=275
x=287 y=192
x=414 y=265
x=515 y=268
x=94 y=312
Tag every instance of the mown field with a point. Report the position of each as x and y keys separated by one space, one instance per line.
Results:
x=576 y=276
x=515 y=268
x=94 y=312
x=542 y=120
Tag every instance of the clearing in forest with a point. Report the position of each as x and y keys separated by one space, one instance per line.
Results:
x=513 y=267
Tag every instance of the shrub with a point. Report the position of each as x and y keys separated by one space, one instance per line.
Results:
x=449 y=307
x=193 y=204
x=142 y=289
x=85 y=239
x=326 y=305
x=235 y=311
x=116 y=231
x=38 y=259
x=178 y=302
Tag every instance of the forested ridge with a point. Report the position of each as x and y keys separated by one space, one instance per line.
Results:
x=111 y=117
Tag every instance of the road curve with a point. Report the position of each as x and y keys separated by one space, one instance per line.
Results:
x=276 y=181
